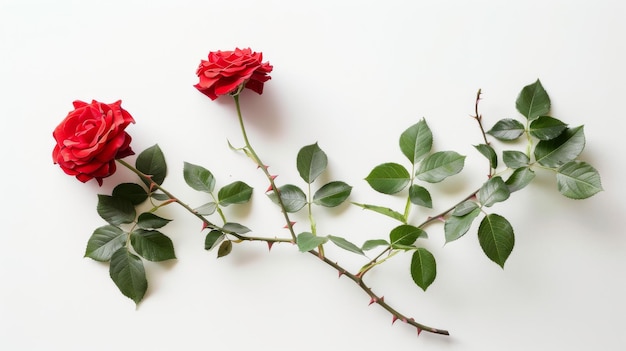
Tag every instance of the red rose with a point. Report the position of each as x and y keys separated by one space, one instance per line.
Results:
x=91 y=138
x=225 y=71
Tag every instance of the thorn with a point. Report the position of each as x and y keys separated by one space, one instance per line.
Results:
x=373 y=300
x=262 y=166
x=340 y=274
x=269 y=245
x=419 y=331
x=394 y=319
x=291 y=224
x=404 y=319
x=272 y=177
x=270 y=188
x=382 y=299
x=205 y=225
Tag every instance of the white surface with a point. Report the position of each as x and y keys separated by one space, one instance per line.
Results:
x=352 y=76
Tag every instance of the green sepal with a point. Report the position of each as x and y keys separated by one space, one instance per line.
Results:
x=225 y=248
x=212 y=239
x=515 y=159
x=507 y=129
x=405 y=235
x=115 y=210
x=152 y=162
x=345 y=244
x=439 y=166
x=423 y=268
x=104 y=242
x=332 y=194
x=382 y=210
x=578 y=180
x=520 y=178
x=311 y=162
x=198 y=178
x=234 y=193
x=494 y=190
x=457 y=226
x=149 y=220
x=152 y=245
x=127 y=272
x=546 y=128
x=562 y=149
x=307 y=241
x=388 y=178
x=293 y=197
x=533 y=101
x=496 y=238
x=132 y=192
x=419 y=196
x=416 y=141
x=489 y=153
x=374 y=243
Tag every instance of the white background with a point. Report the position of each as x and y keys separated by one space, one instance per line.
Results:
x=352 y=76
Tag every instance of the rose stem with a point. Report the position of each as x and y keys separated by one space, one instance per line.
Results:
x=342 y=271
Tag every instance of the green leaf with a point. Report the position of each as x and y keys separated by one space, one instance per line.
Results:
x=440 y=165
x=566 y=147
x=520 y=178
x=149 y=220
x=132 y=192
x=207 y=209
x=507 y=129
x=546 y=128
x=225 y=248
x=578 y=180
x=494 y=190
x=423 y=268
x=104 y=242
x=115 y=210
x=159 y=196
x=416 y=141
x=198 y=178
x=374 y=243
x=152 y=245
x=388 y=178
x=311 y=162
x=293 y=197
x=152 y=162
x=489 y=153
x=235 y=228
x=533 y=101
x=464 y=208
x=234 y=193
x=332 y=194
x=405 y=235
x=345 y=244
x=515 y=159
x=456 y=226
x=383 y=210
x=420 y=196
x=307 y=241
x=213 y=239
x=127 y=272
x=496 y=238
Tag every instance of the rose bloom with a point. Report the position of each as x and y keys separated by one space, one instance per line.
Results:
x=91 y=138
x=224 y=72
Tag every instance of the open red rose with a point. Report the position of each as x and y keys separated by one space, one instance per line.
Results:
x=91 y=138
x=225 y=71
